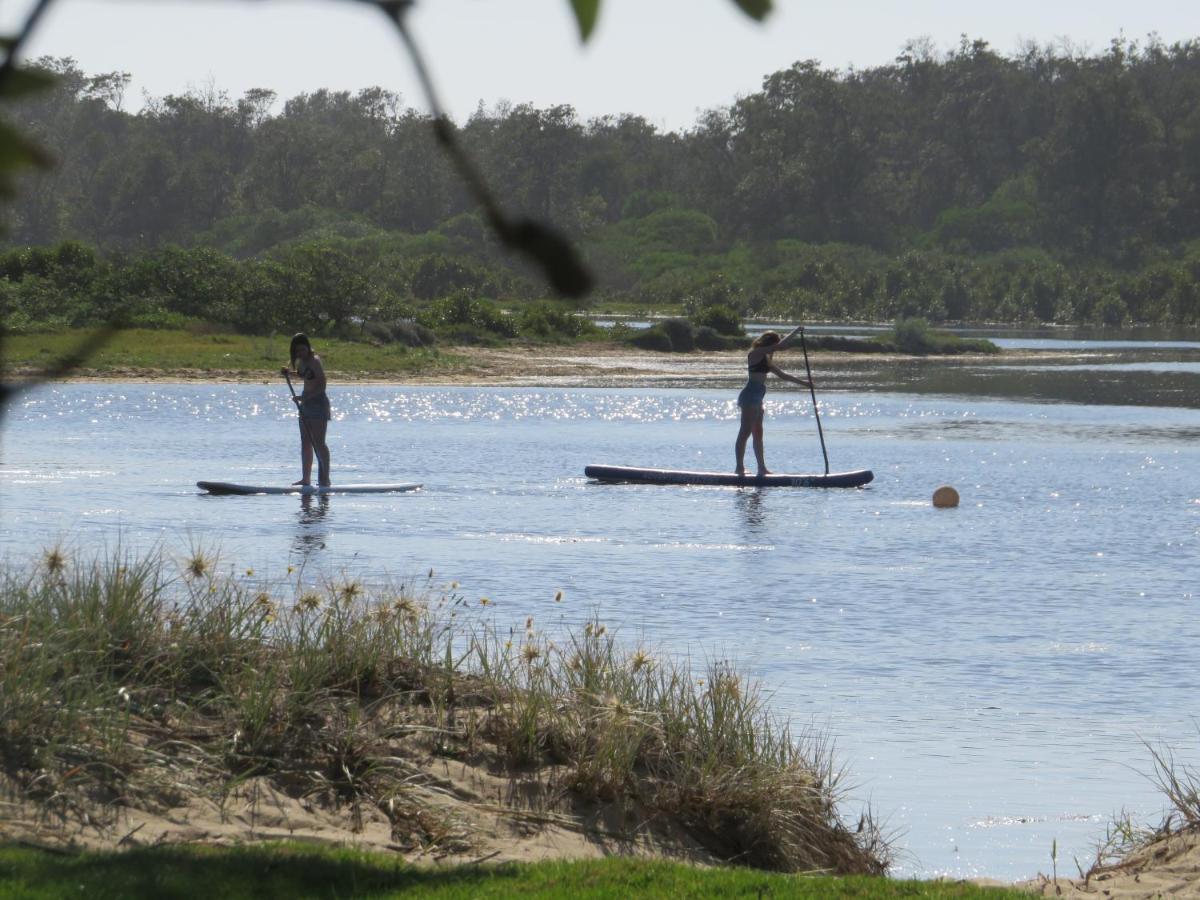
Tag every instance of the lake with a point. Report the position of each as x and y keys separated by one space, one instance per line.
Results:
x=991 y=675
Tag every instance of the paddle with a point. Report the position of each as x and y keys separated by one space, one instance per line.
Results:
x=303 y=423
x=813 y=391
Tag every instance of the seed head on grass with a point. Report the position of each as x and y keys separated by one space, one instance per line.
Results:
x=54 y=561
x=641 y=660
x=309 y=602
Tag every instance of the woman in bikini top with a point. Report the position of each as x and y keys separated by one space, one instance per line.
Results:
x=750 y=400
x=315 y=412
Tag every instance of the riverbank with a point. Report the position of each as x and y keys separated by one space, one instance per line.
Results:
x=151 y=703
x=184 y=357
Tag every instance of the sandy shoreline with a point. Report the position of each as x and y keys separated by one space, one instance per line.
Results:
x=495 y=819
x=588 y=365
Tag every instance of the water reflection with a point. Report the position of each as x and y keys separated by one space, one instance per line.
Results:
x=312 y=531
x=750 y=504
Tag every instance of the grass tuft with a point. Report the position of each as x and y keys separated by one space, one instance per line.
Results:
x=133 y=681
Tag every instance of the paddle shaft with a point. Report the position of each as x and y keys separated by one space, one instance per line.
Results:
x=303 y=423
x=813 y=391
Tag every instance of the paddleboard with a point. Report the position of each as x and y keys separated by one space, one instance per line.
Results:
x=226 y=487
x=632 y=475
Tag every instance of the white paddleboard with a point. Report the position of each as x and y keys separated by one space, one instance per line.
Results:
x=227 y=487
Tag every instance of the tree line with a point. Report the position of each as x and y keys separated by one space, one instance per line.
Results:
x=1046 y=185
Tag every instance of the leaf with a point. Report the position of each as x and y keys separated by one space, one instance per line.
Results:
x=17 y=151
x=554 y=253
x=755 y=9
x=20 y=82
x=585 y=15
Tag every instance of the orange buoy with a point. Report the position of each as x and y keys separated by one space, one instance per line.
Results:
x=945 y=497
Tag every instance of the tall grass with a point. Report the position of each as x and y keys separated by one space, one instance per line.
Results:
x=139 y=680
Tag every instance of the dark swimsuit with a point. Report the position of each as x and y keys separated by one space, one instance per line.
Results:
x=755 y=391
x=315 y=406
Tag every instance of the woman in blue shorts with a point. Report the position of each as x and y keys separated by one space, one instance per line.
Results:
x=315 y=411
x=750 y=400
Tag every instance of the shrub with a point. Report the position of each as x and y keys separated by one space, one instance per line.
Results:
x=408 y=332
x=710 y=339
x=720 y=318
x=552 y=322
x=668 y=336
x=465 y=314
x=682 y=334
x=653 y=338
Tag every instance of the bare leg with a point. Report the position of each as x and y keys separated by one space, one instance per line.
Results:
x=318 y=428
x=306 y=454
x=749 y=416
x=758 y=444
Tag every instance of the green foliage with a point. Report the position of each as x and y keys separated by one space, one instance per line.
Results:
x=963 y=186
x=552 y=322
x=439 y=276
x=720 y=318
x=667 y=336
x=467 y=319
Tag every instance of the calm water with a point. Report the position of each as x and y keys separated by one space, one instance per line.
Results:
x=989 y=673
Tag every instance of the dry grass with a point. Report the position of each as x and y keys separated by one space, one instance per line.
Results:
x=137 y=681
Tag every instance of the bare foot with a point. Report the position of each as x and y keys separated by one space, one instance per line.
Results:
x=299 y=483
x=762 y=472
x=740 y=472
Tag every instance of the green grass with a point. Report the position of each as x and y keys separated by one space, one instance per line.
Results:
x=285 y=871
x=144 y=350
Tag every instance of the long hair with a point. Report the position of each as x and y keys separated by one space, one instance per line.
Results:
x=766 y=339
x=297 y=340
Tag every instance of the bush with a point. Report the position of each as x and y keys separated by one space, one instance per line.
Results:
x=914 y=336
x=682 y=334
x=463 y=314
x=720 y=318
x=408 y=332
x=710 y=339
x=668 y=336
x=552 y=322
x=653 y=338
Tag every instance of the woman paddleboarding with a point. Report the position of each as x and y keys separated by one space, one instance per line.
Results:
x=313 y=405
x=750 y=400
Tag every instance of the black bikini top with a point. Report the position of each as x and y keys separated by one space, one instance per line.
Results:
x=763 y=365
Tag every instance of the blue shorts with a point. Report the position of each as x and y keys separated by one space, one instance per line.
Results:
x=316 y=408
x=752 y=394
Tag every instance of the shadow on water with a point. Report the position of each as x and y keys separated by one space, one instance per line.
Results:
x=312 y=531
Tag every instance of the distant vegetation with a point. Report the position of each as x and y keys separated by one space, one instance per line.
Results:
x=911 y=336
x=1047 y=186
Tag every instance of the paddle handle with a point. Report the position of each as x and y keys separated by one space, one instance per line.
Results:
x=813 y=391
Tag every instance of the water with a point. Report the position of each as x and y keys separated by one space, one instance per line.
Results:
x=990 y=673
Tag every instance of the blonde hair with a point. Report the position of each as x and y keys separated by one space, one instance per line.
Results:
x=766 y=339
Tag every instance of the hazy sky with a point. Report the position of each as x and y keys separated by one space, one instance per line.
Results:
x=662 y=59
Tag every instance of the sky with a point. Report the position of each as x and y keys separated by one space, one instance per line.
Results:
x=665 y=60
